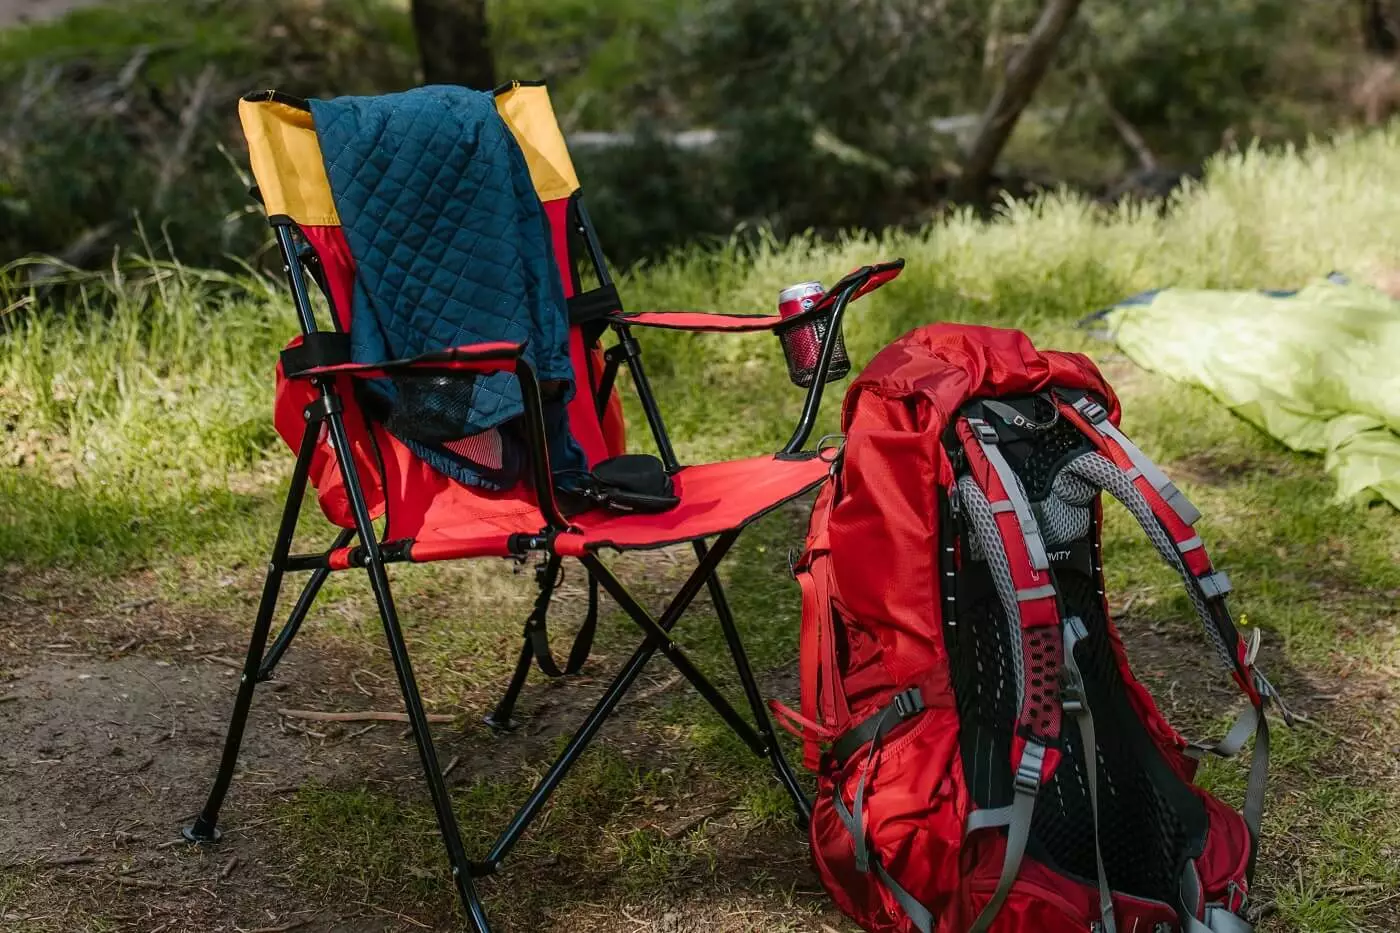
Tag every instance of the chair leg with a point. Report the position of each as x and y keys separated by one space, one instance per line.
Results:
x=408 y=684
x=418 y=719
x=590 y=726
x=781 y=767
x=283 y=641
x=679 y=660
x=501 y=719
x=206 y=826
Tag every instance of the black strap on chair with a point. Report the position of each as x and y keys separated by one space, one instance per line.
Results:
x=548 y=576
x=594 y=304
x=321 y=348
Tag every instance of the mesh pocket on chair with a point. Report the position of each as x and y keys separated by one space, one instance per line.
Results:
x=431 y=409
x=802 y=348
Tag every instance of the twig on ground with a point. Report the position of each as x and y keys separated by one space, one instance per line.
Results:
x=694 y=820
x=653 y=691
x=135 y=604
x=358 y=686
x=1323 y=729
x=51 y=862
x=228 y=868
x=392 y=913
x=298 y=727
x=361 y=716
x=9 y=698
x=450 y=765
x=220 y=659
x=282 y=929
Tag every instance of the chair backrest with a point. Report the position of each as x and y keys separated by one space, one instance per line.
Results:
x=285 y=155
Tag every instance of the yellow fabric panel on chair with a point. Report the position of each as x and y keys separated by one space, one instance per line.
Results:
x=286 y=159
x=530 y=116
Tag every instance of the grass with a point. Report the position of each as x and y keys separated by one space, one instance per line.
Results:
x=138 y=435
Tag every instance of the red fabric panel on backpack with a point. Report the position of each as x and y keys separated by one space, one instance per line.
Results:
x=1226 y=857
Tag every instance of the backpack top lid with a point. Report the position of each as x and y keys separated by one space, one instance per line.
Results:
x=952 y=364
x=908 y=394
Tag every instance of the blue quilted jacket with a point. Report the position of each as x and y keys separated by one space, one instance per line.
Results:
x=452 y=247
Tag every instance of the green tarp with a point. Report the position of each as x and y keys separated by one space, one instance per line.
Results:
x=1319 y=368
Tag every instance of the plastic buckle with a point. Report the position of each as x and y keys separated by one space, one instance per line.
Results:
x=1091 y=409
x=908 y=702
x=1028 y=770
x=1071 y=698
x=984 y=431
x=1214 y=585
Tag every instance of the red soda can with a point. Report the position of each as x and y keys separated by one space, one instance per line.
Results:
x=798 y=298
x=803 y=344
x=803 y=341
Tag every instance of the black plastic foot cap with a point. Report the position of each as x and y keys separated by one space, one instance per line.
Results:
x=501 y=726
x=199 y=835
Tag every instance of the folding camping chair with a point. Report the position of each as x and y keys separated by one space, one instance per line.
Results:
x=362 y=472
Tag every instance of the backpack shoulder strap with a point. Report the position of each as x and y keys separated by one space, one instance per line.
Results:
x=1000 y=520
x=1120 y=468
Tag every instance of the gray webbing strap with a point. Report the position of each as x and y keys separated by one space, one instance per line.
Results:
x=854 y=822
x=1076 y=703
x=1253 y=811
x=1018 y=831
x=1174 y=497
x=987 y=439
x=1252 y=722
x=917 y=913
x=1220 y=920
x=1244 y=727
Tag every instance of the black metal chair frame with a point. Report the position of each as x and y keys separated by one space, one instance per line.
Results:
x=373 y=556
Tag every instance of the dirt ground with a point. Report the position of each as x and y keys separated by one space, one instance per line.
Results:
x=112 y=727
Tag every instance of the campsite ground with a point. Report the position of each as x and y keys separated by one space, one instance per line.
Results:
x=113 y=703
x=140 y=487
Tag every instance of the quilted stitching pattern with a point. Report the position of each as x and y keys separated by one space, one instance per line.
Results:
x=449 y=238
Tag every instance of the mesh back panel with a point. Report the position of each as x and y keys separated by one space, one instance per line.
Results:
x=980 y=662
x=1040 y=460
x=1150 y=821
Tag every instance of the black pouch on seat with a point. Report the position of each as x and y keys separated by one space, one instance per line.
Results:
x=633 y=483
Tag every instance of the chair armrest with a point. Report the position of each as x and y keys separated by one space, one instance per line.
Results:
x=697 y=321
x=478 y=358
x=865 y=279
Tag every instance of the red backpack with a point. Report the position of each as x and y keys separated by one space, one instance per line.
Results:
x=957 y=659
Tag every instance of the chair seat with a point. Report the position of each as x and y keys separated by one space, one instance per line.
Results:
x=461 y=521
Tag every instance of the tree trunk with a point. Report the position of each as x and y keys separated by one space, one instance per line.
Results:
x=453 y=42
x=1022 y=78
x=1378 y=27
